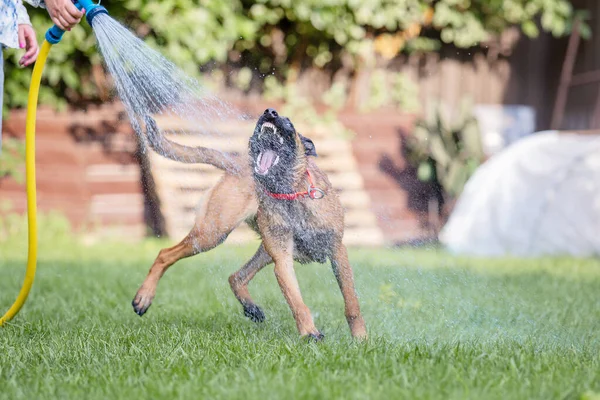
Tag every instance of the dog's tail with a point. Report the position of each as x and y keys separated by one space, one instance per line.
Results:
x=186 y=154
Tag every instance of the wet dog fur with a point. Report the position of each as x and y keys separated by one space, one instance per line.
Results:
x=304 y=229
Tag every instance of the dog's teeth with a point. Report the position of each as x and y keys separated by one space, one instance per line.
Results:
x=268 y=125
x=276 y=161
x=258 y=158
x=280 y=140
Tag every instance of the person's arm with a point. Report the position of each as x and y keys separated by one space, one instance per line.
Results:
x=62 y=12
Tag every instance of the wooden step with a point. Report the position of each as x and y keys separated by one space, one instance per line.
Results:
x=112 y=173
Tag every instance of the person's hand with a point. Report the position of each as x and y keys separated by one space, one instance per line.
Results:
x=28 y=41
x=63 y=13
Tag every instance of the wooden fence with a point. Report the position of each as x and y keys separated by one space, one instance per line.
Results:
x=86 y=169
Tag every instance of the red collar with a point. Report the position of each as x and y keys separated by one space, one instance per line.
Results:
x=312 y=192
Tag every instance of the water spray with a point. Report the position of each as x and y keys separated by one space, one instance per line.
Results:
x=53 y=36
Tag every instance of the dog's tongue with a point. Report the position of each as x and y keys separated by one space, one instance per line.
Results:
x=266 y=161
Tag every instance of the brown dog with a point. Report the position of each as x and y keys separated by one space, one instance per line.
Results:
x=265 y=192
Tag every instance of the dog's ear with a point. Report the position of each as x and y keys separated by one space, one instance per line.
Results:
x=309 y=146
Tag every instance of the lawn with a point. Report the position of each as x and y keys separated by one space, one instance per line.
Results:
x=440 y=327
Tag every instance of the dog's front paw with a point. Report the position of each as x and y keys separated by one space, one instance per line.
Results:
x=141 y=302
x=254 y=312
x=358 y=328
x=315 y=337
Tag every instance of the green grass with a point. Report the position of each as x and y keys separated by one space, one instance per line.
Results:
x=440 y=327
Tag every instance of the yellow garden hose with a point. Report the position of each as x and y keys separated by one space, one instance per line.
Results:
x=53 y=36
x=34 y=88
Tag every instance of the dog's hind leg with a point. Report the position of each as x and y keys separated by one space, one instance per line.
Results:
x=240 y=279
x=345 y=278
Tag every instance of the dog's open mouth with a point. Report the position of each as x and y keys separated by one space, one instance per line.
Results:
x=265 y=160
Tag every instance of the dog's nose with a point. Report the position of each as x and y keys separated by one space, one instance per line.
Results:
x=271 y=112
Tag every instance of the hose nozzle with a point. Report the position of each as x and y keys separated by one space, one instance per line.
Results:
x=55 y=34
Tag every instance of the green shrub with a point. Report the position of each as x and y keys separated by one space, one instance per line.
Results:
x=446 y=152
x=53 y=227
x=392 y=89
x=12 y=160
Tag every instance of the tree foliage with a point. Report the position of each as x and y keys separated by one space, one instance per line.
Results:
x=280 y=36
